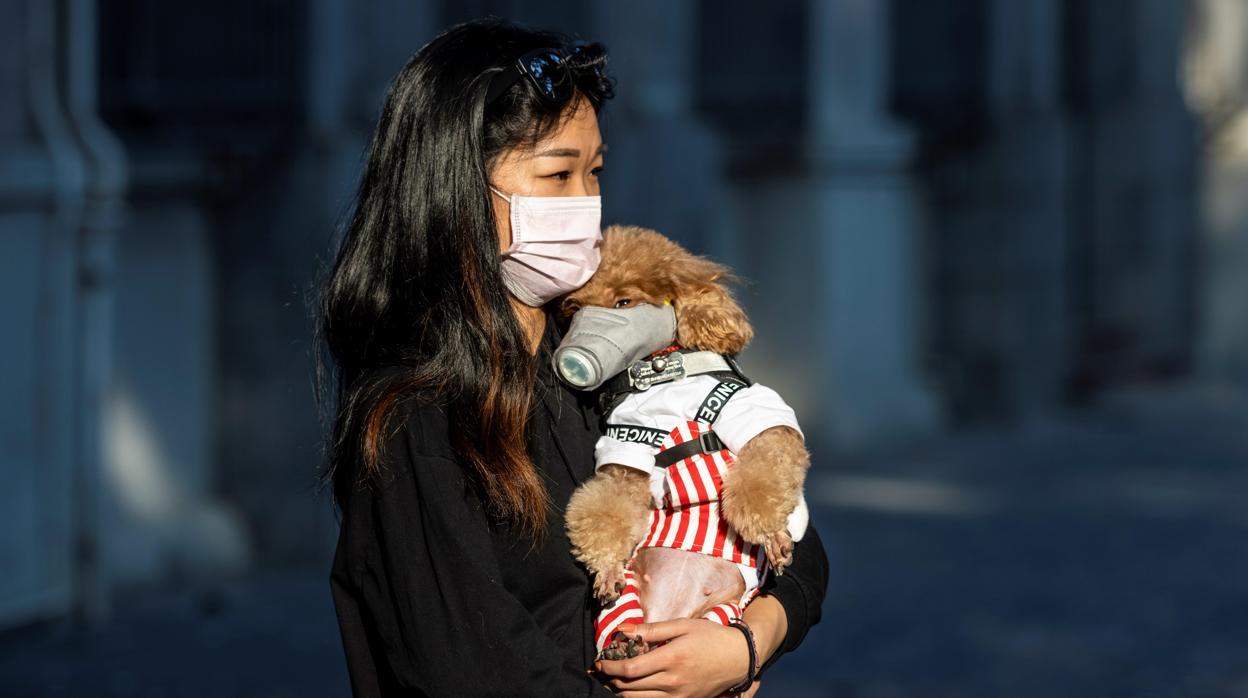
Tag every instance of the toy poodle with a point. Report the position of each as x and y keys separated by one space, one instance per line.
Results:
x=695 y=537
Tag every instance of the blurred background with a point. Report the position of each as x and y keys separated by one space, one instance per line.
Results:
x=998 y=262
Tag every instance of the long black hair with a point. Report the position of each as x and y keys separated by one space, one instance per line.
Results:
x=416 y=282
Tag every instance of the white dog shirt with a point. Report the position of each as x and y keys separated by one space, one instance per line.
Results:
x=670 y=409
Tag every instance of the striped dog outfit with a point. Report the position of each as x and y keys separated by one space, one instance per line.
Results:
x=686 y=492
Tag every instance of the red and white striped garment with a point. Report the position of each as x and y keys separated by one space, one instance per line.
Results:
x=689 y=516
x=627 y=609
x=686 y=493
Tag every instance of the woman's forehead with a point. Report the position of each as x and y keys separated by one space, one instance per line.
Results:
x=574 y=137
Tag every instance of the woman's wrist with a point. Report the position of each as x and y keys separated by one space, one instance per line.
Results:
x=752 y=671
x=769 y=623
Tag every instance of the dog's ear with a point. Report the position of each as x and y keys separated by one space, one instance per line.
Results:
x=711 y=319
x=687 y=275
x=707 y=316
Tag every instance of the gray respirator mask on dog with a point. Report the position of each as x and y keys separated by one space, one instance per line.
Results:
x=602 y=342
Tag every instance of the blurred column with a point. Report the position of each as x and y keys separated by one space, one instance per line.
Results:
x=62 y=178
x=42 y=193
x=273 y=238
x=1134 y=201
x=161 y=517
x=663 y=168
x=103 y=206
x=1021 y=228
x=865 y=234
x=1216 y=87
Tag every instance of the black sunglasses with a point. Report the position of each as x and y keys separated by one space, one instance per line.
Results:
x=546 y=68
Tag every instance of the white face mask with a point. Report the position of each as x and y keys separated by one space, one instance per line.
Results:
x=555 y=245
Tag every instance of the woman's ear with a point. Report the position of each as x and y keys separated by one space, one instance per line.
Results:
x=710 y=319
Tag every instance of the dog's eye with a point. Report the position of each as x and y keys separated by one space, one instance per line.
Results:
x=623 y=302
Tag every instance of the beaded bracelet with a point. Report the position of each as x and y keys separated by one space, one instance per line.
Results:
x=749 y=641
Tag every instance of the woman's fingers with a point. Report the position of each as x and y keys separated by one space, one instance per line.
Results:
x=646 y=664
x=658 y=658
x=660 y=682
x=663 y=630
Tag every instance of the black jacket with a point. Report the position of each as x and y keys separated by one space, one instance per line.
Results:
x=435 y=598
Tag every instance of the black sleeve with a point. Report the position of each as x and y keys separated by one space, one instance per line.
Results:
x=800 y=590
x=422 y=607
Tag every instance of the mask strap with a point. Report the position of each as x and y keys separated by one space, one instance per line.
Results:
x=500 y=194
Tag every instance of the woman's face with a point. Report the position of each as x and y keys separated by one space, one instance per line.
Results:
x=565 y=163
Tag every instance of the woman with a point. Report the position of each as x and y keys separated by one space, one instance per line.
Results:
x=454 y=449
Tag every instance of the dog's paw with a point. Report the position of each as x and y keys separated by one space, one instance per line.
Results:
x=624 y=647
x=779 y=549
x=609 y=583
x=751 y=522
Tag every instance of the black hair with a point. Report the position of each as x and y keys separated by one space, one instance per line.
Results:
x=416 y=282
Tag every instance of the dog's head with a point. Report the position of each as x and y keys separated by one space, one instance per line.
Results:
x=640 y=265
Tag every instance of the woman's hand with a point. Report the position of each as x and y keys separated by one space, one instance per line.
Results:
x=701 y=659
x=704 y=648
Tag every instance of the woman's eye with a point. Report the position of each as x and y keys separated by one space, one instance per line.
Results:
x=623 y=302
x=565 y=175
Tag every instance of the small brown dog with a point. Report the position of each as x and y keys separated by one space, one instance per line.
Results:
x=684 y=540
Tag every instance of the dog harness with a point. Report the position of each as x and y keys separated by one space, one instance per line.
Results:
x=666 y=365
x=686 y=473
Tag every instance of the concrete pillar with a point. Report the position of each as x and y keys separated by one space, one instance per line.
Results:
x=1141 y=154
x=864 y=236
x=162 y=518
x=166 y=520
x=61 y=181
x=42 y=180
x=663 y=169
x=1216 y=87
x=103 y=204
x=271 y=241
x=1024 y=175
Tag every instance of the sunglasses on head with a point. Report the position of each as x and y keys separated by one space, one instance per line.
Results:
x=547 y=69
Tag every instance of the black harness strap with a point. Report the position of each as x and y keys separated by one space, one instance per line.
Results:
x=714 y=402
x=706 y=443
x=613 y=392
x=636 y=434
x=708 y=412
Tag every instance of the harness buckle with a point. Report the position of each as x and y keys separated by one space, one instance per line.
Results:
x=644 y=373
x=710 y=442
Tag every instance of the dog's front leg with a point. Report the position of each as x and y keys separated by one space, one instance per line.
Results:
x=763 y=487
x=606 y=518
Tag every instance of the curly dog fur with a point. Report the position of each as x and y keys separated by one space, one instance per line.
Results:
x=605 y=518
x=607 y=514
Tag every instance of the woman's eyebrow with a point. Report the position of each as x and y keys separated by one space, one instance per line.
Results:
x=567 y=152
